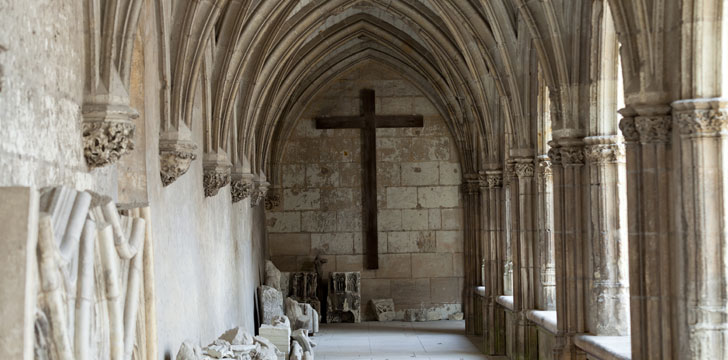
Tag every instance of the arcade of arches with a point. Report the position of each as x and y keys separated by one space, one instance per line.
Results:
x=562 y=180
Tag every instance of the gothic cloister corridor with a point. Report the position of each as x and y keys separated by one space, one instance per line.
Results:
x=234 y=179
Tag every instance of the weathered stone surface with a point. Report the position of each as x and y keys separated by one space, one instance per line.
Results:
x=278 y=333
x=384 y=309
x=301 y=315
x=296 y=351
x=302 y=338
x=272 y=275
x=189 y=351
x=420 y=173
x=237 y=336
x=401 y=197
x=271 y=304
x=344 y=299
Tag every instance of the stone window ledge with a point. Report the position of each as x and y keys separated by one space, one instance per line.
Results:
x=544 y=318
x=480 y=291
x=506 y=302
x=606 y=347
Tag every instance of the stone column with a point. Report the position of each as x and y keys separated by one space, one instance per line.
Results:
x=493 y=251
x=647 y=133
x=701 y=258
x=607 y=262
x=525 y=273
x=546 y=284
x=510 y=219
x=471 y=217
x=567 y=156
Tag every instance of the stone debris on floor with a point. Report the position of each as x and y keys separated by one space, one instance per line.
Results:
x=440 y=340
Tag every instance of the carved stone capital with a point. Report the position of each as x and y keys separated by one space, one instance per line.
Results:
x=654 y=129
x=554 y=153
x=605 y=153
x=572 y=155
x=544 y=167
x=272 y=199
x=604 y=149
x=259 y=193
x=493 y=179
x=241 y=186
x=702 y=122
x=524 y=169
x=215 y=177
x=175 y=158
x=108 y=133
x=629 y=129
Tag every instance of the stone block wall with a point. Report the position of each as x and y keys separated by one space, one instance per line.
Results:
x=419 y=203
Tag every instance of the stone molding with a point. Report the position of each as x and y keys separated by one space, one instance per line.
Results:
x=108 y=133
x=654 y=128
x=544 y=166
x=215 y=177
x=471 y=184
x=241 y=186
x=175 y=158
x=259 y=193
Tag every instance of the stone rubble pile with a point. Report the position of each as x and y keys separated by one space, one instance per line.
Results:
x=235 y=344
x=285 y=322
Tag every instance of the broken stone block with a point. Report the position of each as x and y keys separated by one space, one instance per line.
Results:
x=344 y=300
x=279 y=333
x=189 y=351
x=271 y=304
x=285 y=284
x=455 y=316
x=415 y=315
x=384 y=309
x=265 y=350
x=303 y=288
x=272 y=275
x=302 y=339
x=237 y=336
x=302 y=316
x=296 y=351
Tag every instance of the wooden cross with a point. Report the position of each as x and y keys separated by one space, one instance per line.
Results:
x=368 y=122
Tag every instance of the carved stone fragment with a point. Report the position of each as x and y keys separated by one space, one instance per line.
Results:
x=108 y=133
x=175 y=158
x=261 y=189
x=241 y=186
x=271 y=304
x=344 y=301
x=215 y=177
x=384 y=309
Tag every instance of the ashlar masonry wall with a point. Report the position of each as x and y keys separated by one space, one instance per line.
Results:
x=418 y=178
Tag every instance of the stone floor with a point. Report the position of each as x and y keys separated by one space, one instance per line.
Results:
x=396 y=340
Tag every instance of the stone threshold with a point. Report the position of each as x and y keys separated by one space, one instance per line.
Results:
x=480 y=291
x=605 y=347
x=505 y=301
x=545 y=319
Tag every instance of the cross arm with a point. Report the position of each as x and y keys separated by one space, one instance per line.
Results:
x=399 y=121
x=340 y=122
